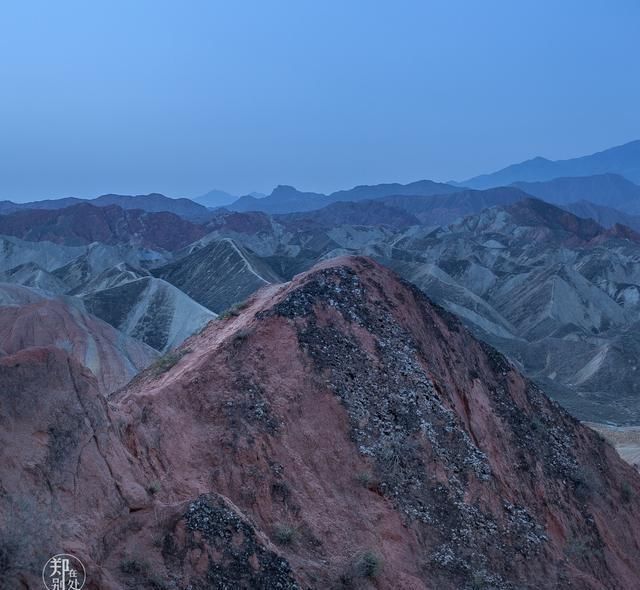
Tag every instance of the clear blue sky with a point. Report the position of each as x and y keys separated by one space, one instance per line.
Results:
x=184 y=96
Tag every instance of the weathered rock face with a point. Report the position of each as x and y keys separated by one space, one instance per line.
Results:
x=341 y=431
x=65 y=473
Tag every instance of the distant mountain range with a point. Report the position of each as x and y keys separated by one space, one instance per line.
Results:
x=152 y=203
x=287 y=199
x=605 y=216
x=217 y=198
x=84 y=223
x=623 y=160
x=555 y=277
x=609 y=190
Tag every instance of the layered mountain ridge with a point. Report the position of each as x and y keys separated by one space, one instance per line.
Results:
x=623 y=160
x=557 y=293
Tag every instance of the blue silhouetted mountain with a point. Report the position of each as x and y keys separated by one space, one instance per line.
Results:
x=215 y=198
x=287 y=199
x=365 y=213
x=152 y=203
x=623 y=160
x=605 y=216
x=609 y=190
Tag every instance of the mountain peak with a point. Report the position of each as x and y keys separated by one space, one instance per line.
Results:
x=284 y=188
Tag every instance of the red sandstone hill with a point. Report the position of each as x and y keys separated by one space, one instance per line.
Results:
x=38 y=321
x=340 y=431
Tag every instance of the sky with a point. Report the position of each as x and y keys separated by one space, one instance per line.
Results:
x=137 y=96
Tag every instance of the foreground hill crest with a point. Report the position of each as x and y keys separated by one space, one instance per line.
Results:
x=337 y=431
x=347 y=409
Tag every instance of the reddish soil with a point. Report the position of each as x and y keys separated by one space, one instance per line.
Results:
x=340 y=432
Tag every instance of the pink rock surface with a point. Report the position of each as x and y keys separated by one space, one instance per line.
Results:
x=113 y=357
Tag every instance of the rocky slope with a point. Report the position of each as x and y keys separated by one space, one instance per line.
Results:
x=557 y=293
x=339 y=432
x=28 y=319
x=65 y=473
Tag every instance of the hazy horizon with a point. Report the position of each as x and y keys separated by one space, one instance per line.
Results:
x=183 y=99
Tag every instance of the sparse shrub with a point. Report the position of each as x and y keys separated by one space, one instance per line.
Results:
x=478 y=582
x=63 y=437
x=154 y=487
x=233 y=311
x=366 y=479
x=585 y=483
x=241 y=335
x=537 y=425
x=576 y=549
x=27 y=538
x=229 y=313
x=8 y=550
x=166 y=362
x=363 y=478
x=626 y=492
x=133 y=567
x=284 y=534
x=145 y=414
x=201 y=329
x=368 y=565
x=280 y=491
x=140 y=571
